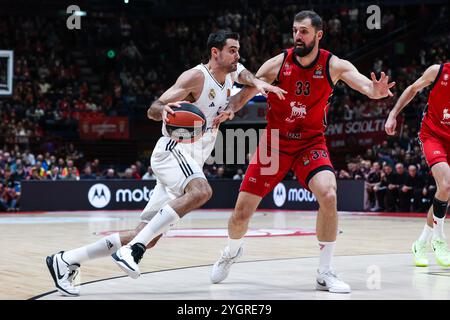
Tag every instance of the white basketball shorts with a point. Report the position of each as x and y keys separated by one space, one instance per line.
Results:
x=174 y=168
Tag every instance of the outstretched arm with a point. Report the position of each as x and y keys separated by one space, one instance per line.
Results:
x=425 y=80
x=188 y=83
x=260 y=85
x=341 y=69
x=266 y=74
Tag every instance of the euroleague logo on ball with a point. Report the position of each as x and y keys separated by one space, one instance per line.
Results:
x=186 y=124
x=99 y=195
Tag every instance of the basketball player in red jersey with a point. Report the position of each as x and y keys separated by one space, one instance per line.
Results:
x=434 y=136
x=308 y=74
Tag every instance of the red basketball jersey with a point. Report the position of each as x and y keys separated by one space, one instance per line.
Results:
x=436 y=119
x=302 y=115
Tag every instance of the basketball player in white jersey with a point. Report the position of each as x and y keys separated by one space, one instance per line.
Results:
x=181 y=185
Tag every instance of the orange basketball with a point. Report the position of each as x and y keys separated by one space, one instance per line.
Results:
x=187 y=124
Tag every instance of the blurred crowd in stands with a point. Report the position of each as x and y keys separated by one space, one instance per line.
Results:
x=60 y=75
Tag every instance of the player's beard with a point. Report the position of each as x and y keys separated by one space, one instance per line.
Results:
x=305 y=50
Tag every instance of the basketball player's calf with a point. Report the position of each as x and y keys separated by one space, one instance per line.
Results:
x=197 y=192
x=246 y=205
x=439 y=245
x=323 y=186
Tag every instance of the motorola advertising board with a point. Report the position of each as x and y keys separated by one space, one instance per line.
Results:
x=134 y=195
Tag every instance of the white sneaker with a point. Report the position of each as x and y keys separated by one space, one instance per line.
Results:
x=128 y=257
x=222 y=266
x=63 y=274
x=329 y=281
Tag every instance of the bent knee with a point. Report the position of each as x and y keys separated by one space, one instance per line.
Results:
x=445 y=187
x=202 y=192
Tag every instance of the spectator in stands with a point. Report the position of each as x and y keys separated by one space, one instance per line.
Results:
x=110 y=174
x=220 y=173
x=134 y=172
x=34 y=175
x=353 y=172
x=40 y=171
x=387 y=176
x=411 y=191
x=394 y=184
x=72 y=174
x=19 y=174
x=128 y=174
x=95 y=166
x=9 y=198
x=149 y=174
x=54 y=173
x=87 y=174
x=239 y=174
x=70 y=169
x=61 y=164
x=372 y=179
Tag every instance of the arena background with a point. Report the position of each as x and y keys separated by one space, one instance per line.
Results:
x=75 y=120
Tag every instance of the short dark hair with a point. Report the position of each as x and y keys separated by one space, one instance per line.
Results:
x=316 y=20
x=219 y=39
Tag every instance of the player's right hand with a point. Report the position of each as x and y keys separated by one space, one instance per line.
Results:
x=223 y=116
x=264 y=88
x=390 y=125
x=167 y=108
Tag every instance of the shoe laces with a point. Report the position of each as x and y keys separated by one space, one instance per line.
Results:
x=421 y=248
x=441 y=246
x=331 y=276
x=226 y=258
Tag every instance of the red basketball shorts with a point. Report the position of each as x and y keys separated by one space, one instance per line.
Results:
x=434 y=149
x=268 y=166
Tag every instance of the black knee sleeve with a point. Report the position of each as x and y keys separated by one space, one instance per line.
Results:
x=439 y=208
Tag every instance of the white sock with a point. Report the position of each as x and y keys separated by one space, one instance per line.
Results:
x=426 y=234
x=234 y=245
x=438 y=230
x=326 y=254
x=160 y=223
x=101 y=248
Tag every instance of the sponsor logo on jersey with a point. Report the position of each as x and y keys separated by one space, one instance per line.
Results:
x=251 y=179
x=306 y=160
x=294 y=135
x=446 y=115
x=318 y=73
x=437 y=152
x=212 y=94
x=298 y=111
x=212 y=105
x=445 y=77
x=287 y=70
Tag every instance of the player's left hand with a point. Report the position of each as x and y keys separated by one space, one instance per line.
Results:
x=264 y=88
x=381 y=87
x=223 y=116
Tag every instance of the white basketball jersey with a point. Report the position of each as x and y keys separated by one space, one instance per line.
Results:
x=212 y=100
